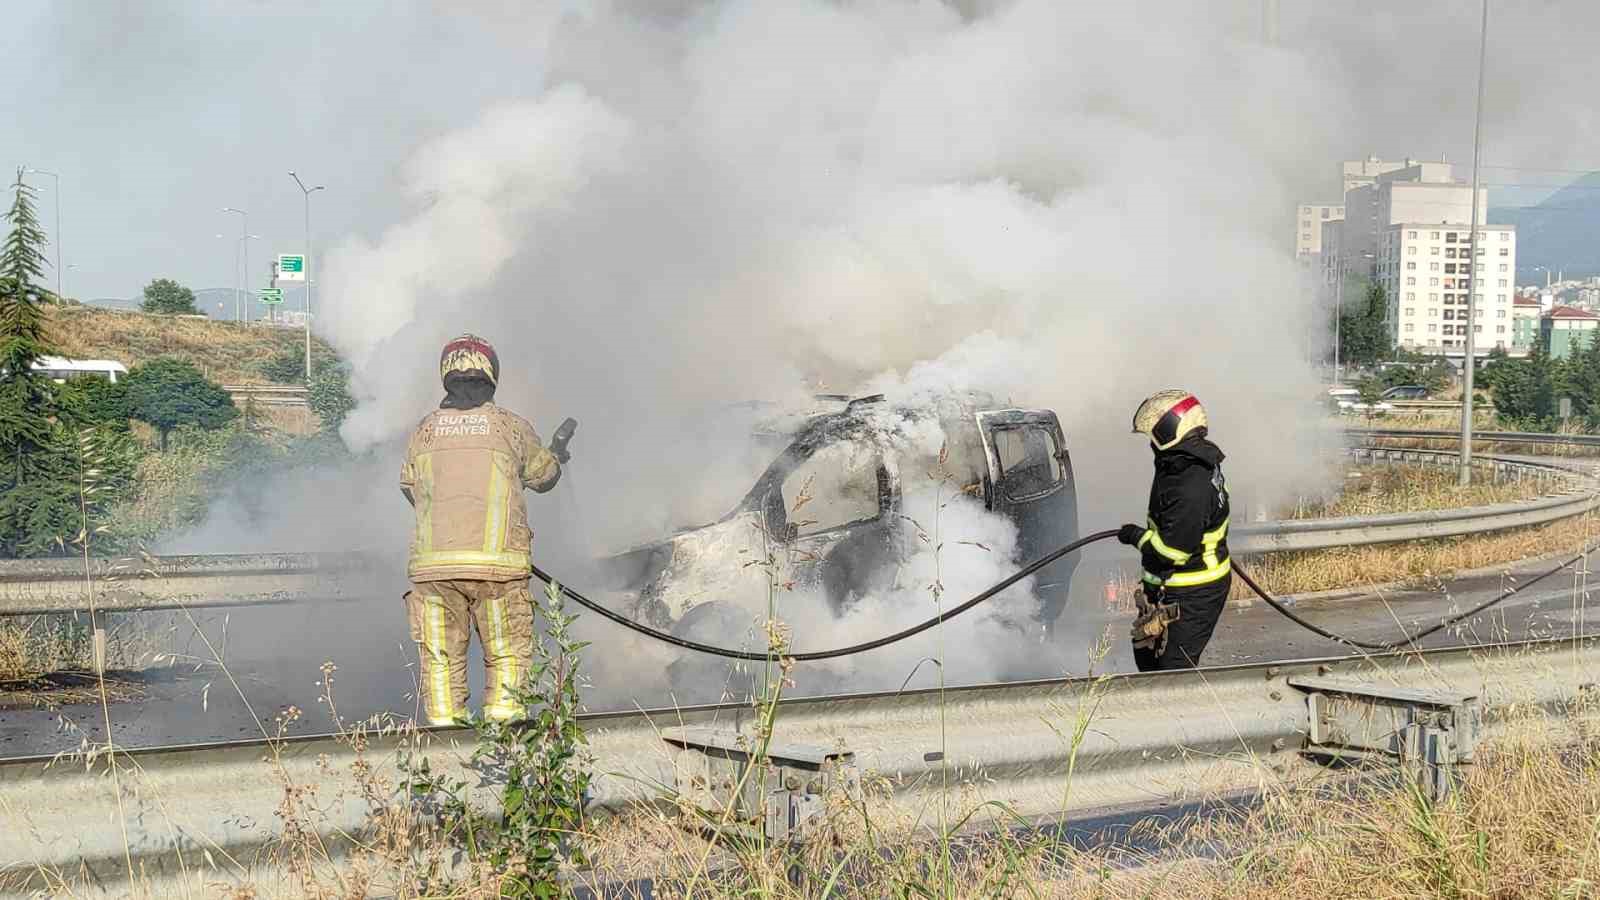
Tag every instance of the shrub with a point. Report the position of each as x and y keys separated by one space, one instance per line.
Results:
x=171 y=392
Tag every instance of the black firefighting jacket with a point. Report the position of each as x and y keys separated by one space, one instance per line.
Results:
x=1186 y=539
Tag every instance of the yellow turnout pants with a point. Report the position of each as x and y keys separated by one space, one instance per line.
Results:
x=502 y=613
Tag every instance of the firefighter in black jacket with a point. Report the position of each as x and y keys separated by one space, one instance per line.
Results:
x=1184 y=544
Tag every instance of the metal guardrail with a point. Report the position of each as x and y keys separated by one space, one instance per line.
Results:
x=1505 y=437
x=1422 y=405
x=1578 y=493
x=200 y=815
x=35 y=586
x=269 y=394
x=30 y=587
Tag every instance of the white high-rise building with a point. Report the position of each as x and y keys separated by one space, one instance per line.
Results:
x=1422 y=193
x=1356 y=173
x=1425 y=268
x=1308 y=234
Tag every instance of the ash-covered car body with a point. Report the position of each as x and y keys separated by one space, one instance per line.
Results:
x=827 y=511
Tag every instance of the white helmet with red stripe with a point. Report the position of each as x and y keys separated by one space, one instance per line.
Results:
x=1168 y=417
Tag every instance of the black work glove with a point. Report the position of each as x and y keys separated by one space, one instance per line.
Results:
x=559 y=440
x=1130 y=534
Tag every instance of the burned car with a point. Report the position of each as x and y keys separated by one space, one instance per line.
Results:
x=827 y=515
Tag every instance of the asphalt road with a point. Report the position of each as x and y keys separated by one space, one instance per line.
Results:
x=273 y=656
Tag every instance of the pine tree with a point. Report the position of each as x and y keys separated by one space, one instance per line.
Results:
x=22 y=300
x=1524 y=392
x=31 y=465
x=24 y=395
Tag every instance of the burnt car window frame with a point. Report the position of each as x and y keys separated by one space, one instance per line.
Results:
x=991 y=422
x=766 y=497
x=1053 y=460
x=781 y=508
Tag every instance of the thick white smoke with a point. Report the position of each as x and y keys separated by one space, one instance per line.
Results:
x=749 y=200
x=754 y=201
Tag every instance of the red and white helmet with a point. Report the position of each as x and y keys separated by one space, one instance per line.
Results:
x=1168 y=417
x=471 y=355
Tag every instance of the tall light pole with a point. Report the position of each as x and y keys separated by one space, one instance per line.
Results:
x=306 y=297
x=1338 y=319
x=57 y=236
x=1472 y=270
x=243 y=268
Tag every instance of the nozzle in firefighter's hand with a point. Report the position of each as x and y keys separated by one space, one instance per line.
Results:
x=1130 y=535
x=1149 y=629
x=562 y=437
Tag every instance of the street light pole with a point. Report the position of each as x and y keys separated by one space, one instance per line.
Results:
x=1338 y=319
x=241 y=271
x=306 y=297
x=57 y=236
x=1472 y=266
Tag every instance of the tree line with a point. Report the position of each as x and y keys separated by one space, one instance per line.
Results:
x=1526 y=391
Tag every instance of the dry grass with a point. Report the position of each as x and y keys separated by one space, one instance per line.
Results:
x=1376 y=489
x=32 y=647
x=287 y=419
x=1525 y=823
x=38 y=646
x=1414 y=561
x=1445 y=422
x=227 y=352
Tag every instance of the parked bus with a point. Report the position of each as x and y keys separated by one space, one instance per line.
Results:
x=61 y=370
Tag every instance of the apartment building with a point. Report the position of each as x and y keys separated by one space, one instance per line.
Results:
x=1525 y=313
x=1567 y=331
x=1422 y=193
x=1355 y=173
x=1308 y=233
x=1310 y=218
x=1426 y=268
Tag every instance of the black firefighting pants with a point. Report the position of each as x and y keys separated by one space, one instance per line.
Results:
x=1199 y=608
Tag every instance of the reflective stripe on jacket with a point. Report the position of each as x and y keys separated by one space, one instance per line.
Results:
x=464 y=471
x=1185 y=542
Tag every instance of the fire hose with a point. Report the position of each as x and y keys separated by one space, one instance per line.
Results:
x=1024 y=572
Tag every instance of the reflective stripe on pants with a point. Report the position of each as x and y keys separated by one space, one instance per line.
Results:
x=502 y=614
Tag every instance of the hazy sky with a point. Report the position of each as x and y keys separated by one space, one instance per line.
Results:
x=158 y=113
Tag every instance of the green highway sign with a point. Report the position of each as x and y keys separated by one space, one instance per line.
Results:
x=271 y=295
x=291 y=267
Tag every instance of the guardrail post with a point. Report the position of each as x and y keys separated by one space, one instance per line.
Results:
x=720 y=774
x=1429 y=734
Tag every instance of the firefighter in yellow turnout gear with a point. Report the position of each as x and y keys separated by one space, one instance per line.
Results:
x=464 y=472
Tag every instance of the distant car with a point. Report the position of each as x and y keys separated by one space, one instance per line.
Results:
x=1405 y=392
x=1371 y=409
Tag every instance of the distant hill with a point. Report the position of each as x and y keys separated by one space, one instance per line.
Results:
x=205 y=299
x=1561 y=233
